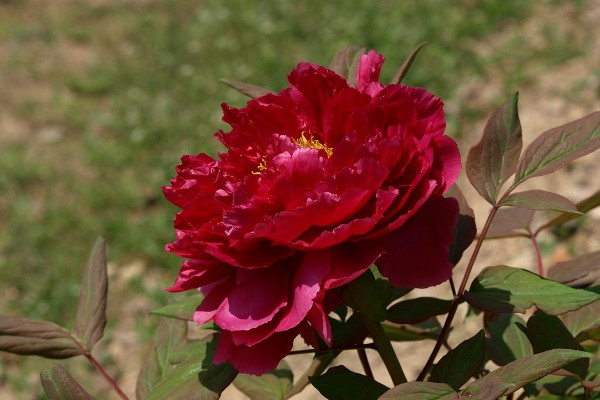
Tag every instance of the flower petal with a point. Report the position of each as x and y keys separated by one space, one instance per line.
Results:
x=369 y=68
x=255 y=300
x=306 y=284
x=417 y=253
x=318 y=319
x=258 y=359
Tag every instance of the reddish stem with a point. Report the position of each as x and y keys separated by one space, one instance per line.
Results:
x=110 y=380
x=538 y=253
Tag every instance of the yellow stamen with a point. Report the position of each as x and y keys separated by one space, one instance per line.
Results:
x=261 y=167
x=312 y=143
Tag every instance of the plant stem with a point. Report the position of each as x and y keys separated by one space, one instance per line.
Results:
x=110 y=380
x=452 y=287
x=362 y=355
x=458 y=297
x=385 y=349
x=538 y=253
x=334 y=349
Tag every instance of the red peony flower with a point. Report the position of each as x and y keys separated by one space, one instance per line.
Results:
x=319 y=181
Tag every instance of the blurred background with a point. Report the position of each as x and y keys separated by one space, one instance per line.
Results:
x=100 y=98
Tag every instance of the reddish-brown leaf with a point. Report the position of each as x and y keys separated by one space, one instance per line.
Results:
x=26 y=336
x=540 y=200
x=28 y=327
x=406 y=64
x=342 y=62
x=91 y=311
x=580 y=271
x=494 y=159
x=583 y=207
x=247 y=89
x=559 y=146
x=511 y=222
x=32 y=346
x=59 y=385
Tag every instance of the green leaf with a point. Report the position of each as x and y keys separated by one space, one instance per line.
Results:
x=59 y=385
x=274 y=385
x=389 y=292
x=407 y=64
x=547 y=332
x=465 y=229
x=513 y=376
x=421 y=391
x=342 y=62
x=540 y=200
x=349 y=333
x=580 y=271
x=193 y=376
x=170 y=334
x=339 y=383
x=363 y=295
x=505 y=289
x=461 y=363
x=247 y=89
x=506 y=342
x=182 y=309
x=494 y=159
x=511 y=222
x=583 y=207
x=91 y=311
x=559 y=146
x=417 y=310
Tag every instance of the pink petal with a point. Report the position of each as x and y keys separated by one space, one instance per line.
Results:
x=318 y=319
x=417 y=253
x=256 y=300
x=197 y=273
x=214 y=299
x=312 y=88
x=306 y=284
x=448 y=162
x=369 y=68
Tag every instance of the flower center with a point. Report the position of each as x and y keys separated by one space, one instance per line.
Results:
x=312 y=143
x=261 y=167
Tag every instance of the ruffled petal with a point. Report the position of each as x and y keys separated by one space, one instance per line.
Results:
x=447 y=163
x=306 y=284
x=256 y=300
x=367 y=74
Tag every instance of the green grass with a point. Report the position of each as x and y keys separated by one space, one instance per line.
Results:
x=148 y=91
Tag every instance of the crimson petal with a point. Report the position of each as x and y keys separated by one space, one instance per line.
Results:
x=417 y=253
x=258 y=359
